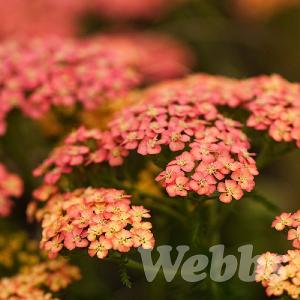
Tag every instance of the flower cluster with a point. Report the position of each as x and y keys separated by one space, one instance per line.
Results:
x=216 y=90
x=274 y=105
x=97 y=219
x=213 y=151
x=40 y=73
x=39 y=17
x=10 y=186
x=157 y=57
x=63 y=18
x=30 y=283
x=272 y=102
x=16 y=249
x=281 y=273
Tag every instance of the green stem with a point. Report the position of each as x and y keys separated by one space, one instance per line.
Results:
x=135 y=265
x=214 y=239
x=166 y=209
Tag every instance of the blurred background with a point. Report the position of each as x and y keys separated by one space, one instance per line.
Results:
x=237 y=38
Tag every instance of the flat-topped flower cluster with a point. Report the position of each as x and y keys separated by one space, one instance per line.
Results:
x=39 y=73
x=213 y=150
x=273 y=103
x=280 y=274
x=11 y=186
x=34 y=281
x=97 y=219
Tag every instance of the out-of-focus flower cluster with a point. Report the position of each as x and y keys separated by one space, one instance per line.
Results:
x=31 y=282
x=40 y=73
x=97 y=219
x=280 y=274
x=181 y=117
x=39 y=17
x=157 y=57
x=17 y=250
x=64 y=17
x=10 y=186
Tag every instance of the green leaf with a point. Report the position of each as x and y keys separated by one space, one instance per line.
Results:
x=125 y=278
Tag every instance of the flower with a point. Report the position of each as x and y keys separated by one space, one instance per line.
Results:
x=96 y=219
x=10 y=186
x=142 y=237
x=203 y=184
x=291 y=222
x=285 y=219
x=229 y=190
x=100 y=247
x=179 y=187
x=294 y=235
x=280 y=274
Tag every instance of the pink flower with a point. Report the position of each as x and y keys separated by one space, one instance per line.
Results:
x=185 y=161
x=282 y=221
x=75 y=239
x=11 y=186
x=204 y=152
x=296 y=219
x=294 y=235
x=280 y=131
x=54 y=246
x=211 y=168
x=169 y=175
x=244 y=179
x=149 y=146
x=203 y=184
x=230 y=189
x=179 y=187
x=177 y=141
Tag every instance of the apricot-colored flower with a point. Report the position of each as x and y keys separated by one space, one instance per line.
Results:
x=282 y=221
x=229 y=190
